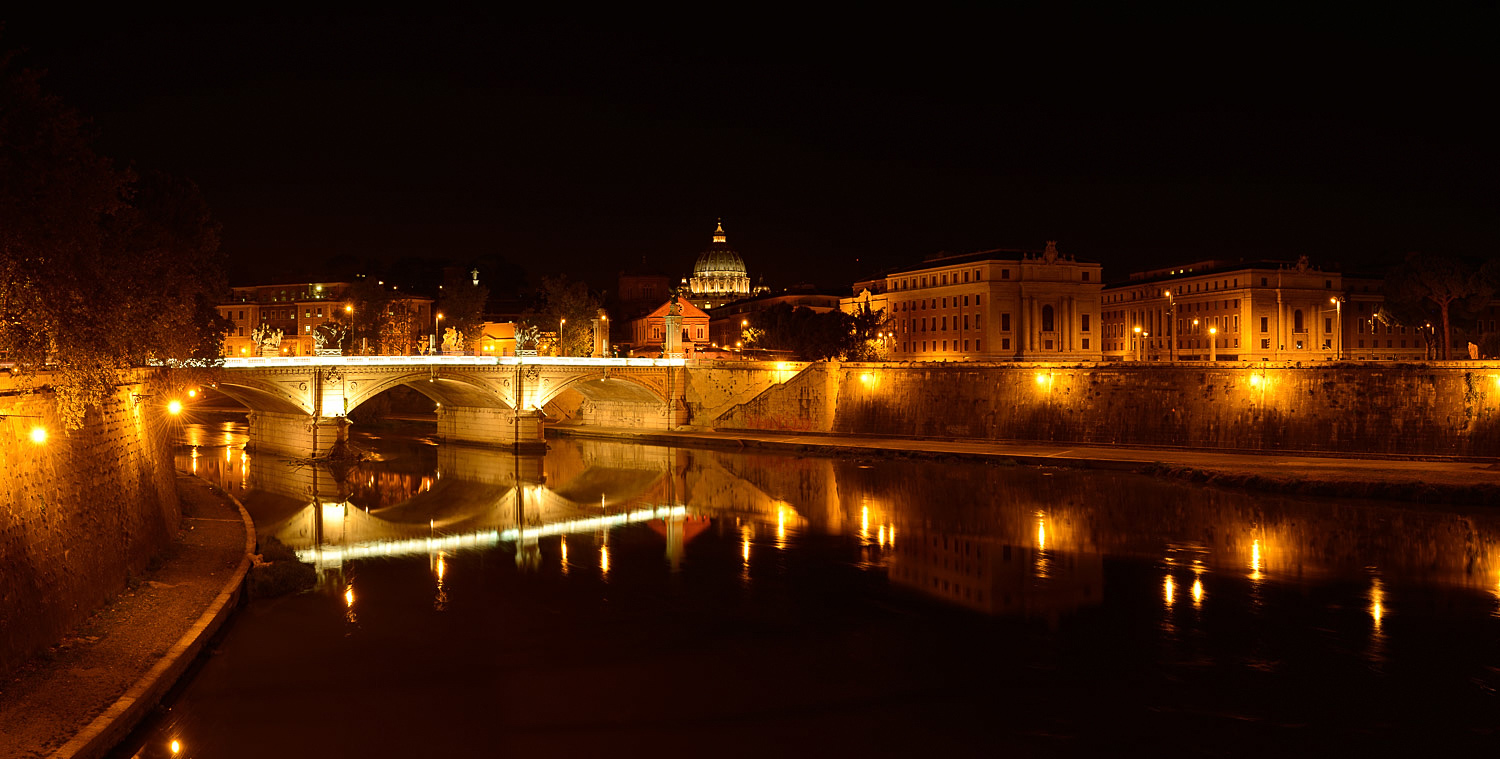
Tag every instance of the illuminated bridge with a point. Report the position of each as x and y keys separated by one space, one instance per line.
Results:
x=300 y=405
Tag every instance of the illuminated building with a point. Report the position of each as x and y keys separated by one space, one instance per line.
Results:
x=1257 y=311
x=649 y=332
x=296 y=309
x=1015 y=305
x=719 y=276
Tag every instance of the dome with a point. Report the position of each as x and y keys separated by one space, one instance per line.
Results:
x=719 y=276
x=719 y=259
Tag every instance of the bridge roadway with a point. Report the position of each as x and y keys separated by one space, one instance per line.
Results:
x=300 y=405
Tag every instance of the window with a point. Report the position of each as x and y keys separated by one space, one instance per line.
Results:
x=966 y=279
x=1047 y=319
x=945 y=303
x=966 y=345
x=1299 y=345
x=1297 y=326
x=1265 y=344
x=945 y=345
x=1085 y=343
x=1005 y=343
x=979 y=300
x=966 y=300
x=1328 y=324
x=966 y=321
x=242 y=316
x=1005 y=273
x=1083 y=321
x=978 y=346
x=1085 y=276
x=1265 y=322
x=978 y=275
x=1005 y=322
x=1263 y=281
x=945 y=323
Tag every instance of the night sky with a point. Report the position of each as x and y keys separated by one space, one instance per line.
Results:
x=832 y=146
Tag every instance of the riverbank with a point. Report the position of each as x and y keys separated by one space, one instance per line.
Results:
x=84 y=694
x=1428 y=479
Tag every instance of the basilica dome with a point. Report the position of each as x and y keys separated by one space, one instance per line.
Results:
x=719 y=276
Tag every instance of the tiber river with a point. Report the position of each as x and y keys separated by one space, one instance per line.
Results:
x=619 y=599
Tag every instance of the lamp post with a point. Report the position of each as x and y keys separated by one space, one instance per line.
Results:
x=436 y=327
x=1338 y=328
x=1171 y=331
x=1213 y=344
x=560 y=323
x=1137 y=343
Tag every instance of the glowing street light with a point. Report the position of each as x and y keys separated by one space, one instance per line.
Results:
x=38 y=435
x=1213 y=344
x=1338 y=335
x=174 y=407
x=1137 y=343
x=560 y=323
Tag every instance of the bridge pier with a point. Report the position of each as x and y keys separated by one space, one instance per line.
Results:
x=490 y=426
x=298 y=435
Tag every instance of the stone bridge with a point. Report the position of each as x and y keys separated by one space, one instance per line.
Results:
x=300 y=405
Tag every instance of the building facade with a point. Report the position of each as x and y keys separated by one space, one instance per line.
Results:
x=1257 y=311
x=648 y=333
x=297 y=310
x=994 y=305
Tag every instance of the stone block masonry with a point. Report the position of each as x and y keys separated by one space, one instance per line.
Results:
x=81 y=512
x=1450 y=409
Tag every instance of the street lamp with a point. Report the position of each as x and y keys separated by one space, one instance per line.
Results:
x=437 y=326
x=1213 y=344
x=1171 y=332
x=1338 y=335
x=1137 y=343
x=560 y=323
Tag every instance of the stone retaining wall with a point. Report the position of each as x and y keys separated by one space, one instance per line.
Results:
x=82 y=512
x=1449 y=409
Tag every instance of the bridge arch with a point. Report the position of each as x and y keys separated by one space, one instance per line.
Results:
x=448 y=388
x=605 y=387
x=259 y=395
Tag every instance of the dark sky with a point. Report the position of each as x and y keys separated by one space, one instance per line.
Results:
x=831 y=146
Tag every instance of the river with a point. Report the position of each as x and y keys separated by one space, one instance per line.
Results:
x=614 y=598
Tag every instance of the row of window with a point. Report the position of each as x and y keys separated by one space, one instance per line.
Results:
x=942 y=279
x=921 y=305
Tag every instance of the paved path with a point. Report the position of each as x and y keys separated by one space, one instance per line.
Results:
x=1395 y=472
x=120 y=662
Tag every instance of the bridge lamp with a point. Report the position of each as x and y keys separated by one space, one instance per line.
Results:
x=174 y=407
x=192 y=393
x=38 y=435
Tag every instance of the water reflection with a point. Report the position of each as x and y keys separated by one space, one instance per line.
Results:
x=650 y=558
x=433 y=500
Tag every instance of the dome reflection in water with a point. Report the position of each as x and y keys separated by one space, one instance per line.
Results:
x=613 y=598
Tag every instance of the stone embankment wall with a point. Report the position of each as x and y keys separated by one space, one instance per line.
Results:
x=1449 y=409
x=81 y=512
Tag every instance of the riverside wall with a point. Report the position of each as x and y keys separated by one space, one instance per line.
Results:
x=1448 y=409
x=82 y=512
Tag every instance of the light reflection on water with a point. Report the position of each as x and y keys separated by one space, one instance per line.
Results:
x=1229 y=582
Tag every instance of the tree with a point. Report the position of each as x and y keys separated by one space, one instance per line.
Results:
x=462 y=307
x=100 y=268
x=1443 y=286
x=567 y=304
x=869 y=333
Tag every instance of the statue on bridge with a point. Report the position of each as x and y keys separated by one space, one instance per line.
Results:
x=451 y=342
x=527 y=337
x=267 y=340
x=329 y=333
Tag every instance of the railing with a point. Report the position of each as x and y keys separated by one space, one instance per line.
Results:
x=258 y=362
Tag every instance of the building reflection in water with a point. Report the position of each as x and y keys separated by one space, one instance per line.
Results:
x=998 y=540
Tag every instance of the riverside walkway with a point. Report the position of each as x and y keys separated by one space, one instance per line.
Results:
x=83 y=695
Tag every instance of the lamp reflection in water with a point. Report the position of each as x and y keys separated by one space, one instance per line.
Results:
x=349 y=604
x=1197 y=591
x=440 y=601
x=1169 y=591
x=562 y=545
x=1255 y=573
x=1043 y=563
x=1376 y=651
